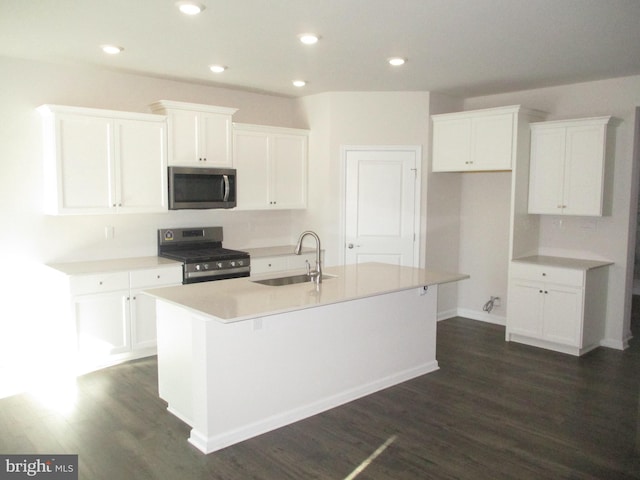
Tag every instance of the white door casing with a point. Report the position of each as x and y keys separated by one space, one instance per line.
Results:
x=382 y=204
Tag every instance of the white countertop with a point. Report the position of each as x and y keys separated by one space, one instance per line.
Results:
x=274 y=251
x=242 y=299
x=112 y=265
x=563 y=262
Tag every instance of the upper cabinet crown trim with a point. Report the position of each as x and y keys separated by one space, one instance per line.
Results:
x=49 y=110
x=604 y=120
x=263 y=128
x=162 y=105
x=493 y=111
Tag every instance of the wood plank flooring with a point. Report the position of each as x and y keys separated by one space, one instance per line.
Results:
x=494 y=410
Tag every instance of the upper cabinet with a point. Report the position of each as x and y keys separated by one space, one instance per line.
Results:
x=271 y=164
x=477 y=140
x=103 y=161
x=199 y=135
x=567 y=166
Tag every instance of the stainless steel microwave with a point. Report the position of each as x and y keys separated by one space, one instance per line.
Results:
x=201 y=188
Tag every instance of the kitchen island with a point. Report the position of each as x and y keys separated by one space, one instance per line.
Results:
x=238 y=358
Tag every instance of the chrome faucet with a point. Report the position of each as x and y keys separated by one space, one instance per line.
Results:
x=317 y=275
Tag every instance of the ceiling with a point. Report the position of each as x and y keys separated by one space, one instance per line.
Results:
x=458 y=47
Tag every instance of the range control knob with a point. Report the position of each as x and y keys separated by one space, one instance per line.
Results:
x=219 y=264
x=233 y=264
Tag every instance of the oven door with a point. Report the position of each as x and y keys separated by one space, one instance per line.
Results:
x=195 y=273
x=201 y=188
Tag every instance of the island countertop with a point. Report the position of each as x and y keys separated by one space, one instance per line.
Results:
x=242 y=299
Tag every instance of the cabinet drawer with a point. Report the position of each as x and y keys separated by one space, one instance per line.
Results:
x=268 y=264
x=98 y=283
x=155 y=277
x=542 y=273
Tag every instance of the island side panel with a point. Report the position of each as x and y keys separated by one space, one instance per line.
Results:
x=178 y=349
x=268 y=372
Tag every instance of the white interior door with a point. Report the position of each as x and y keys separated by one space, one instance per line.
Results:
x=381 y=208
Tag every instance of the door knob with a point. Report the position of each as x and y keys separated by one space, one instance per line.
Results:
x=351 y=245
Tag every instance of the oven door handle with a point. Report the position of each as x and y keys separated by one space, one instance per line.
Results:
x=225 y=178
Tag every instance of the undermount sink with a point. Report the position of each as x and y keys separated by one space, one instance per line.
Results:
x=290 y=280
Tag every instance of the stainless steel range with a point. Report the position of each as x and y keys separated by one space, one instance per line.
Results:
x=201 y=253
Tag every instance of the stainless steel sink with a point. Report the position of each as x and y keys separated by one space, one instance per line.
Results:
x=290 y=280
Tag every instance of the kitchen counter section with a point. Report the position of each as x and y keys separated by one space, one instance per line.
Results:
x=563 y=262
x=112 y=265
x=237 y=358
x=243 y=299
x=275 y=251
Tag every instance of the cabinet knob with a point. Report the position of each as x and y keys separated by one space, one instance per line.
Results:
x=544 y=274
x=540 y=291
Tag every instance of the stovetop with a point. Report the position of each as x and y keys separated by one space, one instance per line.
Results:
x=204 y=254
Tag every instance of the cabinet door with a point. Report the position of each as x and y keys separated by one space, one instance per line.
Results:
x=102 y=323
x=183 y=138
x=584 y=170
x=142 y=166
x=492 y=142
x=525 y=308
x=85 y=172
x=289 y=171
x=215 y=139
x=547 y=171
x=451 y=145
x=251 y=160
x=143 y=321
x=562 y=314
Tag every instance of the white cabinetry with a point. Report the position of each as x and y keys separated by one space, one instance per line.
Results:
x=271 y=164
x=557 y=307
x=199 y=135
x=567 y=167
x=113 y=320
x=475 y=140
x=280 y=263
x=103 y=161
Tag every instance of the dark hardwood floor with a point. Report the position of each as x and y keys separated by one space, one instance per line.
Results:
x=494 y=410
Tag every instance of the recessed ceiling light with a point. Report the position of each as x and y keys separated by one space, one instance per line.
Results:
x=299 y=83
x=217 y=68
x=309 y=38
x=397 y=61
x=190 y=8
x=111 y=49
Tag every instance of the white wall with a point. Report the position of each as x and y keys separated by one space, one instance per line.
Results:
x=354 y=118
x=606 y=237
x=443 y=198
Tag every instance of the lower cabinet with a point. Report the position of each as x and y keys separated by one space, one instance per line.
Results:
x=562 y=309
x=280 y=263
x=114 y=321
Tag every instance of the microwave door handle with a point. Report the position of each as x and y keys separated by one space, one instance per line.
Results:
x=226 y=187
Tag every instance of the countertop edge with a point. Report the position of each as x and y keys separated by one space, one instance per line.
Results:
x=427 y=278
x=563 y=262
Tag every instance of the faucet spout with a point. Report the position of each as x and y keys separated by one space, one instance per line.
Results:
x=317 y=274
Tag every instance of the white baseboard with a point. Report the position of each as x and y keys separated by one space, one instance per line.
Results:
x=481 y=316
